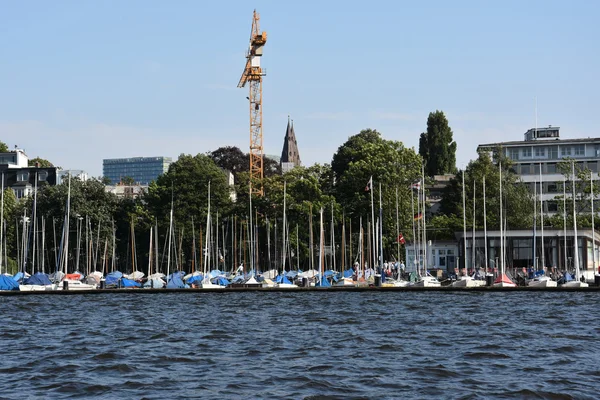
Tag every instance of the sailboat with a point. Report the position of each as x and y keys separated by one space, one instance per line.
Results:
x=502 y=280
x=466 y=280
x=540 y=280
x=576 y=283
x=425 y=278
x=206 y=283
x=282 y=281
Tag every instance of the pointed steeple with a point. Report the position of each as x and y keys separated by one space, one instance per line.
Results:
x=290 y=157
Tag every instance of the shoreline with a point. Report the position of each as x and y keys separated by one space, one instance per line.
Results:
x=301 y=289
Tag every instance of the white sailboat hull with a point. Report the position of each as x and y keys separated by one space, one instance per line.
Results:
x=467 y=281
x=36 y=288
x=286 y=286
x=346 y=282
x=428 y=281
x=575 y=284
x=75 y=285
x=542 y=282
x=504 y=284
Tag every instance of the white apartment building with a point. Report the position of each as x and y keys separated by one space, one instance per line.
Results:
x=542 y=150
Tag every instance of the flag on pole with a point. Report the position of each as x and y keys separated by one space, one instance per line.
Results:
x=418 y=216
x=416 y=185
x=401 y=239
x=369 y=185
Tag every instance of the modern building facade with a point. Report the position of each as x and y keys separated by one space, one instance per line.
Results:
x=558 y=251
x=542 y=150
x=142 y=170
x=290 y=157
x=20 y=177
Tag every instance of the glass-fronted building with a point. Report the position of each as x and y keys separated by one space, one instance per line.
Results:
x=142 y=170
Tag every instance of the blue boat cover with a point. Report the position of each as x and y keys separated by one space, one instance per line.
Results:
x=195 y=278
x=38 y=278
x=112 y=279
x=348 y=273
x=292 y=274
x=8 y=283
x=329 y=273
x=221 y=281
x=176 y=282
x=323 y=282
x=282 y=279
x=18 y=276
x=129 y=283
x=154 y=283
x=238 y=279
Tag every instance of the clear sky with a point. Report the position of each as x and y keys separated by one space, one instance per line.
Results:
x=85 y=80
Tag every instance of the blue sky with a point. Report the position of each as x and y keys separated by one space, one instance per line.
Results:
x=85 y=80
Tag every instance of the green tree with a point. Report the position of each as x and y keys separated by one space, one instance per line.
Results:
x=436 y=146
x=517 y=199
x=392 y=165
x=3 y=147
x=42 y=162
x=186 y=184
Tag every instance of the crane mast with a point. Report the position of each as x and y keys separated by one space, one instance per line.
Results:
x=253 y=73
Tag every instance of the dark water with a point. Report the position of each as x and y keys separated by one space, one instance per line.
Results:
x=301 y=345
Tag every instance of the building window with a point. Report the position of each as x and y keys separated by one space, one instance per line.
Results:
x=565 y=151
x=23 y=176
x=580 y=150
x=525 y=169
x=527 y=152
x=514 y=154
x=540 y=152
x=553 y=152
x=551 y=168
x=552 y=206
x=552 y=187
x=42 y=176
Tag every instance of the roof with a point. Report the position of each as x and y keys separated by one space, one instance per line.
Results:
x=540 y=142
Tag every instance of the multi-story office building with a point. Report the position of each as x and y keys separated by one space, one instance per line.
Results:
x=542 y=150
x=142 y=170
x=20 y=177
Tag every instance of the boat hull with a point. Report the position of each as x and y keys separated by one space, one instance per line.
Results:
x=575 y=284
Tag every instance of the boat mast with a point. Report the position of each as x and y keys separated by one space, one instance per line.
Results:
x=361 y=267
x=542 y=217
x=501 y=236
x=374 y=252
x=575 y=243
x=565 y=219
x=321 y=246
x=473 y=266
x=149 y=254
x=283 y=254
x=397 y=231
x=311 y=244
x=34 y=225
x=66 y=252
x=206 y=247
x=1 y=221
x=333 y=266
x=380 y=232
x=593 y=228
x=464 y=221
x=170 y=237
x=414 y=246
x=424 y=224
x=485 y=228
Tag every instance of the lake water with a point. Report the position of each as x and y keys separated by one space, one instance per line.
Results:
x=343 y=345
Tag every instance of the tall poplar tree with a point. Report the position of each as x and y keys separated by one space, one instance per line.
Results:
x=437 y=147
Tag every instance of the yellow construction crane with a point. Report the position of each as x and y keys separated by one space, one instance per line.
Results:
x=253 y=73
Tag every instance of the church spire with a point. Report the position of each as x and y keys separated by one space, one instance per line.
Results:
x=290 y=157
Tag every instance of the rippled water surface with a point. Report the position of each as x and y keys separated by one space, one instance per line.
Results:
x=301 y=345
